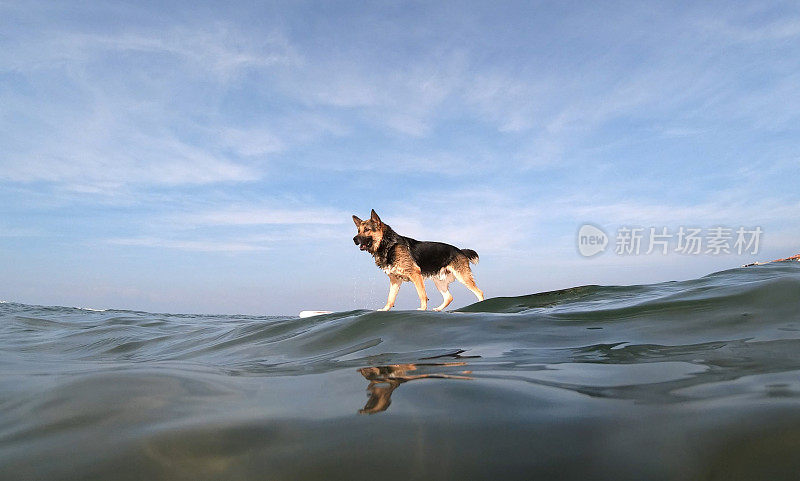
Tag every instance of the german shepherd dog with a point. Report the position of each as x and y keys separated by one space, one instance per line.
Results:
x=407 y=259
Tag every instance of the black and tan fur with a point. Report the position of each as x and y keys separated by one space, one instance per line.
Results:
x=406 y=259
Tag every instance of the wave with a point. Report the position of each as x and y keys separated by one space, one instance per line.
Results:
x=741 y=303
x=554 y=382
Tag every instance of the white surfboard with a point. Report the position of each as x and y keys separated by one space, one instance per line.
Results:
x=313 y=313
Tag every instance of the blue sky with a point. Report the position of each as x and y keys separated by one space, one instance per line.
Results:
x=207 y=157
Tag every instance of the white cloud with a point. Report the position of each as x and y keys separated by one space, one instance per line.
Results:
x=727 y=207
x=406 y=99
x=122 y=155
x=6 y=231
x=738 y=29
x=545 y=113
x=189 y=245
x=251 y=142
x=99 y=112
x=258 y=215
x=240 y=229
x=218 y=48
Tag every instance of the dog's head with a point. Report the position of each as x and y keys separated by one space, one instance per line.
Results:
x=370 y=232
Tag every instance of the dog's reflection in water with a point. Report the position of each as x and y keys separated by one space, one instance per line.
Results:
x=385 y=379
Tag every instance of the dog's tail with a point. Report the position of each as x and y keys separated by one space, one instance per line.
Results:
x=471 y=255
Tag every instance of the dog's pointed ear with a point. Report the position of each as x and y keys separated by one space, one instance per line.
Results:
x=357 y=221
x=374 y=217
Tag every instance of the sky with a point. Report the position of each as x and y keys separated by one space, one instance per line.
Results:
x=207 y=157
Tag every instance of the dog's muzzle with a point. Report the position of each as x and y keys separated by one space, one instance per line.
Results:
x=362 y=242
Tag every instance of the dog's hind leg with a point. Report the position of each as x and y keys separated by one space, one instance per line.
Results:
x=463 y=274
x=443 y=286
x=394 y=288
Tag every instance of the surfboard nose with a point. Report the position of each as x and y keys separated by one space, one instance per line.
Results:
x=313 y=313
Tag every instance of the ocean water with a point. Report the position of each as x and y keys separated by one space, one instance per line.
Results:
x=689 y=380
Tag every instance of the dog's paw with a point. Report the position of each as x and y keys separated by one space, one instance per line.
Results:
x=385 y=308
x=422 y=308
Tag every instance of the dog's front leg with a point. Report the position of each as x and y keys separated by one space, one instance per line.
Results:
x=394 y=288
x=419 y=283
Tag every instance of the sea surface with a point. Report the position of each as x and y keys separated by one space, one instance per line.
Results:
x=690 y=380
